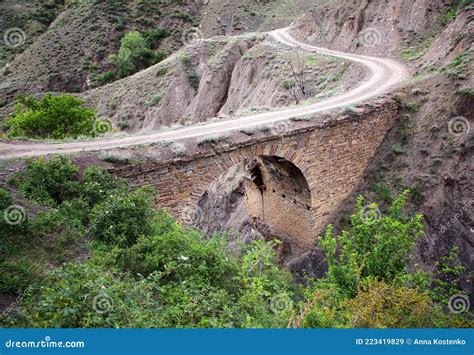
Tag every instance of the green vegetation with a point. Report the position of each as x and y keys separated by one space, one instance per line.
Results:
x=419 y=49
x=99 y=255
x=458 y=67
x=140 y=260
x=155 y=99
x=57 y=231
x=154 y=36
x=136 y=52
x=371 y=280
x=55 y=117
x=161 y=71
x=447 y=17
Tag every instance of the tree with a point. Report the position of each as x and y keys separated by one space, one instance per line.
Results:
x=54 y=117
x=297 y=85
x=134 y=54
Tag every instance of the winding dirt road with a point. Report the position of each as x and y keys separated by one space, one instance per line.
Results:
x=383 y=75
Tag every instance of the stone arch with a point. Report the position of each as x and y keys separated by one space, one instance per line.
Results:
x=273 y=190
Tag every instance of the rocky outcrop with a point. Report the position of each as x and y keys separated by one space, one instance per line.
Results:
x=372 y=27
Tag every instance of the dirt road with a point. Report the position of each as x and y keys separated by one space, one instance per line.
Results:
x=383 y=74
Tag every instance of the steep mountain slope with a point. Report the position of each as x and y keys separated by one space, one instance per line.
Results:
x=218 y=78
x=75 y=48
x=429 y=150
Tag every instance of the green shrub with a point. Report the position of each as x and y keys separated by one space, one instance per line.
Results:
x=381 y=305
x=154 y=36
x=447 y=277
x=57 y=180
x=16 y=275
x=194 y=79
x=186 y=281
x=155 y=99
x=49 y=181
x=161 y=71
x=376 y=246
x=105 y=78
x=448 y=16
x=123 y=217
x=54 y=117
x=5 y=199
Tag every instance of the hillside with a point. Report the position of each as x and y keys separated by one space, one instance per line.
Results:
x=193 y=157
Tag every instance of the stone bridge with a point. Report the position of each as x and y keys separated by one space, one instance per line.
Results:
x=298 y=179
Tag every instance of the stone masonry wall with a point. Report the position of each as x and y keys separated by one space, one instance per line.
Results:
x=332 y=156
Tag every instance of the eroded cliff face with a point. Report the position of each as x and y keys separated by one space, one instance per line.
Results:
x=423 y=152
x=215 y=79
x=375 y=27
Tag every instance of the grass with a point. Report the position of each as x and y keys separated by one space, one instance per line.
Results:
x=115 y=158
x=418 y=50
x=155 y=99
x=209 y=139
x=161 y=71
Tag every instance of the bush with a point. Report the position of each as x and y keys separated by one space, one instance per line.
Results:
x=123 y=217
x=376 y=246
x=154 y=36
x=57 y=180
x=380 y=305
x=447 y=277
x=50 y=182
x=16 y=275
x=105 y=78
x=54 y=117
x=171 y=278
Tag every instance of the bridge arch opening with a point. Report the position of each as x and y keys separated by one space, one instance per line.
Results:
x=266 y=197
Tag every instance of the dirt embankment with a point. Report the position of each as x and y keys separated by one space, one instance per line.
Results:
x=219 y=77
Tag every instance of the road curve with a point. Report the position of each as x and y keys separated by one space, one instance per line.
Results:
x=383 y=75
